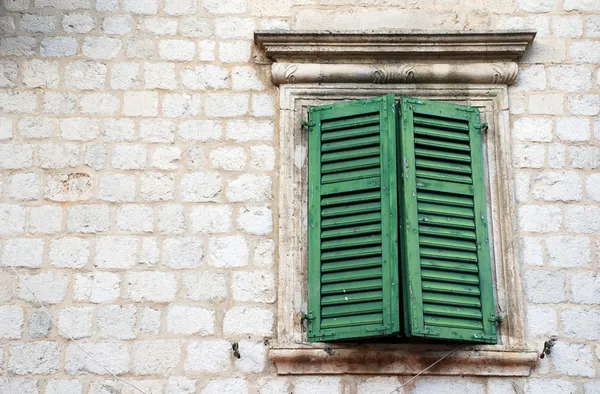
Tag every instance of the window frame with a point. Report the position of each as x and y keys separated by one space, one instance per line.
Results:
x=290 y=351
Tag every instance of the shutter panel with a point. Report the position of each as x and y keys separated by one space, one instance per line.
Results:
x=446 y=271
x=353 y=288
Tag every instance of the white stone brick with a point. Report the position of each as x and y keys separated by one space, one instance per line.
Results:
x=205 y=286
x=545 y=287
x=211 y=219
x=18 y=102
x=69 y=252
x=116 y=321
x=274 y=24
x=262 y=157
x=62 y=386
x=567 y=26
x=140 y=104
x=245 y=78
x=581 y=322
x=181 y=105
x=242 y=131
x=112 y=354
x=39 y=74
x=11 y=322
x=250 y=187
x=97 y=287
x=581 y=5
x=75 y=322
x=156 y=357
x=226 y=6
x=228 y=252
x=583 y=219
x=7 y=287
x=155 y=186
x=12 y=219
x=23 y=186
x=234 y=51
x=592 y=387
x=59 y=103
x=37 y=127
x=116 y=252
x=226 y=104
x=78 y=23
x=573 y=359
x=532 y=252
x=32 y=23
x=150 y=321
x=264 y=253
x=166 y=157
x=141 y=48
x=171 y=219
x=228 y=158
x=196 y=158
x=39 y=325
x=6 y=129
x=378 y=385
x=16 y=156
x=529 y=155
x=22 y=252
x=537 y=5
x=107 y=5
x=253 y=286
x=194 y=26
x=85 y=75
x=181 y=385
x=263 y=105
x=46 y=219
x=16 y=5
x=557 y=186
x=79 y=129
x=556 y=155
x=539 y=218
x=541 y=321
x=88 y=219
x=188 y=320
x=206 y=50
x=40 y=358
x=129 y=157
x=201 y=187
x=176 y=50
x=102 y=47
x=117 y=24
x=69 y=187
x=150 y=386
x=151 y=286
x=584 y=156
x=180 y=7
x=586 y=51
x=146 y=7
x=119 y=129
x=99 y=103
x=9 y=74
x=58 y=47
x=585 y=287
x=149 y=253
x=157 y=130
x=234 y=27
x=17 y=46
x=256 y=220
x=96 y=156
x=592 y=26
x=568 y=252
x=116 y=188
x=318 y=384
x=592 y=184
x=158 y=26
x=205 y=77
x=180 y=253
x=546 y=104
x=226 y=386
x=160 y=76
x=7 y=24
x=248 y=320
x=135 y=218
x=200 y=130
x=209 y=355
x=584 y=104
x=64 y=4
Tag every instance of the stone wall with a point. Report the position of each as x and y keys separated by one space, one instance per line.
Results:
x=138 y=161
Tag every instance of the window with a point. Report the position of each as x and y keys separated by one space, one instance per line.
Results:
x=397 y=223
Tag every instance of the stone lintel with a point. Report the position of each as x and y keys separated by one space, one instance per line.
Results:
x=374 y=46
x=398 y=361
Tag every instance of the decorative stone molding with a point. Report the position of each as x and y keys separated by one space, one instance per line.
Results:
x=492 y=73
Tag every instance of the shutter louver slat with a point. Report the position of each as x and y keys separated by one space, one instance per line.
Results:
x=445 y=264
x=353 y=256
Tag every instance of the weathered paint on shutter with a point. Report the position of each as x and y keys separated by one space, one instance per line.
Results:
x=353 y=288
x=446 y=272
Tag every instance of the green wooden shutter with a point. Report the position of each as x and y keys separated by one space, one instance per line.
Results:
x=353 y=288
x=446 y=272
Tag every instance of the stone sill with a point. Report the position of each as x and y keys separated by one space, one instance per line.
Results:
x=402 y=360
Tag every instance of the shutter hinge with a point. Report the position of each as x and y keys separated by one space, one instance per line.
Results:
x=308 y=125
x=414 y=101
x=483 y=127
x=465 y=109
x=427 y=332
x=485 y=337
x=307 y=316
x=496 y=319
x=321 y=108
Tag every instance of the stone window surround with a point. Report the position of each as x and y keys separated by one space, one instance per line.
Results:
x=315 y=68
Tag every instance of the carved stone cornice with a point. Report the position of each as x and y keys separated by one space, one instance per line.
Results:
x=373 y=46
x=474 y=73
